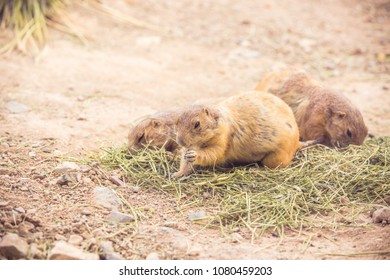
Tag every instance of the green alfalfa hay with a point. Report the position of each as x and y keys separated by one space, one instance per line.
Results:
x=320 y=183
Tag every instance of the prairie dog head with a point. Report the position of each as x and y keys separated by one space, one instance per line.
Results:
x=196 y=126
x=152 y=132
x=345 y=127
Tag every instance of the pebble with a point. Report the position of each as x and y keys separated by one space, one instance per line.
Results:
x=107 y=251
x=13 y=246
x=117 y=181
x=32 y=154
x=135 y=189
x=65 y=251
x=197 y=215
x=146 y=41
x=4 y=203
x=35 y=252
x=105 y=197
x=180 y=243
x=4 y=171
x=152 y=256
x=236 y=237
x=75 y=239
x=16 y=107
x=381 y=216
x=60 y=237
x=20 y=210
x=85 y=168
x=25 y=228
x=68 y=178
x=66 y=166
x=119 y=217
x=243 y=54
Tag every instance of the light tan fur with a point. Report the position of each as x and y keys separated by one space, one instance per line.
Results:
x=321 y=114
x=250 y=127
x=156 y=131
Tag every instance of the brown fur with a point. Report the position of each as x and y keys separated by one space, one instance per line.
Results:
x=321 y=114
x=156 y=131
x=250 y=127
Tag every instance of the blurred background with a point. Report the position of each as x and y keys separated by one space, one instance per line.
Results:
x=83 y=71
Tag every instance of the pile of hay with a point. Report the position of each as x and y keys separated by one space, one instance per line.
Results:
x=318 y=186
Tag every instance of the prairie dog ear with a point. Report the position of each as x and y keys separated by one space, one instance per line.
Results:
x=210 y=113
x=340 y=114
x=156 y=123
x=206 y=111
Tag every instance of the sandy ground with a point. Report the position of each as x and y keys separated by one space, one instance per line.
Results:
x=78 y=97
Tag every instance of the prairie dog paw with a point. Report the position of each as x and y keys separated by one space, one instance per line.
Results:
x=190 y=156
x=177 y=174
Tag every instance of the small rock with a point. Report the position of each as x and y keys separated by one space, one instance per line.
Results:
x=13 y=246
x=4 y=203
x=4 y=171
x=135 y=189
x=16 y=107
x=197 y=215
x=85 y=168
x=20 y=210
x=243 y=54
x=35 y=252
x=86 y=212
x=146 y=41
x=66 y=166
x=152 y=256
x=65 y=251
x=180 y=243
x=195 y=250
x=381 y=216
x=25 y=228
x=75 y=239
x=107 y=251
x=37 y=144
x=32 y=154
x=57 y=153
x=106 y=197
x=236 y=237
x=120 y=217
x=81 y=117
x=68 y=178
x=307 y=44
x=117 y=181
x=60 y=237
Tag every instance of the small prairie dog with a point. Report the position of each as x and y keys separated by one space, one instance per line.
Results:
x=321 y=114
x=250 y=127
x=156 y=131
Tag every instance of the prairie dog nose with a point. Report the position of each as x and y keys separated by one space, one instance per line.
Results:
x=181 y=142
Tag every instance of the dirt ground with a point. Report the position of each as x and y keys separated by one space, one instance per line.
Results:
x=75 y=97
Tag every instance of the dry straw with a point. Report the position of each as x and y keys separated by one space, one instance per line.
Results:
x=321 y=187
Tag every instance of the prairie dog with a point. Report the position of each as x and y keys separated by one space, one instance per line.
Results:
x=321 y=114
x=156 y=131
x=251 y=127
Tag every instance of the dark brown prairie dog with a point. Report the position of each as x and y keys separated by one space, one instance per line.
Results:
x=250 y=127
x=156 y=131
x=321 y=114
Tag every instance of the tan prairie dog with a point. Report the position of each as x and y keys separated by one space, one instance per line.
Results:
x=250 y=127
x=156 y=131
x=321 y=114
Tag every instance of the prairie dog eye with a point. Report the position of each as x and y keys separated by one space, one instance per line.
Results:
x=349 y=133
x=197 y=124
